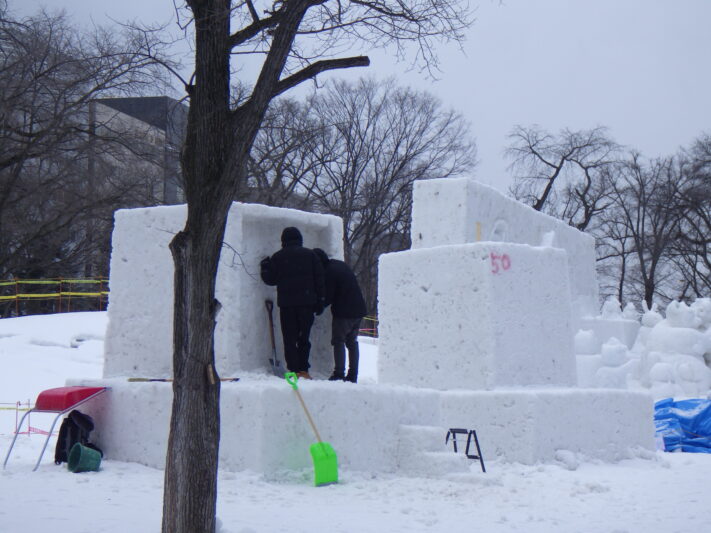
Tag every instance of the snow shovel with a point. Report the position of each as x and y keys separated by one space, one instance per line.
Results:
x=277 y=367
x=322 y=453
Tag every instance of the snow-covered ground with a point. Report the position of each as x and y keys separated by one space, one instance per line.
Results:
x=652 y=493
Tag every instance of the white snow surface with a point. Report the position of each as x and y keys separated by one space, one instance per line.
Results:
x=653 y=492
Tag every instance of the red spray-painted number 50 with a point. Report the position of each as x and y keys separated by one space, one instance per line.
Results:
x=500 y=263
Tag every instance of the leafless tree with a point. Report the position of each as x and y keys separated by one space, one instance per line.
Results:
x=651 y=219
x=376 y=140
x=615 y=250
x=51 y=192
x=297 y=40
x=354 y=150
x=692 y=249
x=647 y=203
x=566 y=176
x=283 y=159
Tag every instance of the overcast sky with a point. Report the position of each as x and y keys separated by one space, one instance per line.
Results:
x=639 y=67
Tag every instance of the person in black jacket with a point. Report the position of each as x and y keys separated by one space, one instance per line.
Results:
x=298 y=275
x=344 y=296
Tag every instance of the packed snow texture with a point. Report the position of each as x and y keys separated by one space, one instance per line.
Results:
x=475 y=316
x=652 y=492
x=498 y=316
x=139 y=337
x=264 y=427
x=40 y=352
x=669 y=356
x=461 y=210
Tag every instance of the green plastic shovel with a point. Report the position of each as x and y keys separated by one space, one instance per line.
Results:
x=322 y=453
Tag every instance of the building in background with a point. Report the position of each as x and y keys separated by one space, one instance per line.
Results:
x=151 y=130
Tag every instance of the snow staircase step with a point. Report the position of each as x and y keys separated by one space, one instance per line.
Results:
x=415 y=439
x=422 y=452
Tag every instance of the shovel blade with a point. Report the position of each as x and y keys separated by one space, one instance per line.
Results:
x=277 y=368
x=325 y=464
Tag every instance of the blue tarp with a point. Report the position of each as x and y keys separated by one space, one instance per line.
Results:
x=685 y=425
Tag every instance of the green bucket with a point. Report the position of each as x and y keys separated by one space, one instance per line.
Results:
x=83 y=459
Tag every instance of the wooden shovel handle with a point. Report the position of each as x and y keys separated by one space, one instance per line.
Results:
x=291 y=379
x=308 y=415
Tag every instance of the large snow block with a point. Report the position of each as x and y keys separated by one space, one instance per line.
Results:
x=263 y=426
x=140 y=331
x=529 y=426
x=459 y=210
x=475 y=316
x=264 y=429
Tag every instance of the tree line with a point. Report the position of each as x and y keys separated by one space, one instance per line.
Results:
x=62 y=168
x=352 y=150
x=651 y=217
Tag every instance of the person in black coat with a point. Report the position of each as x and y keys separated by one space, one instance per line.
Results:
x=344 y=296
x=299 y=278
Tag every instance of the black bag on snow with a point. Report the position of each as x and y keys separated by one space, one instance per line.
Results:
x=75 y=428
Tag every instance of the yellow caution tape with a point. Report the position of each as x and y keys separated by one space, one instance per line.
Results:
x=28 y=296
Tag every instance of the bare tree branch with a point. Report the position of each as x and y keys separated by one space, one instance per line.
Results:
x=316 y=68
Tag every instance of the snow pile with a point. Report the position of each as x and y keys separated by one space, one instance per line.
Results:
x=670 y=356
x=34 y=349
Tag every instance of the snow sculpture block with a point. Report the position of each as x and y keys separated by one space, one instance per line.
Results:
x=140 y=331
x=538 y=425
x=457 y=211
x=475 y=316
x=521 y=425
x=604 y=329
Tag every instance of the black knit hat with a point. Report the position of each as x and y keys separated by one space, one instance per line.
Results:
x=291 y=235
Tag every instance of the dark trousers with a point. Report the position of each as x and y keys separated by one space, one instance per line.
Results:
x=344 y=334
x=296 y=325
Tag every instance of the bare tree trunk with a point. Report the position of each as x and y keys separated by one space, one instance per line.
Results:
x=191 y=464
x=649 y=292
x=190 y=492
x=623 y=273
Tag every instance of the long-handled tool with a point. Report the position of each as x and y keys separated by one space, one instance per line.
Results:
x=277 y=367
x=168 y=380
x=322 y=453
